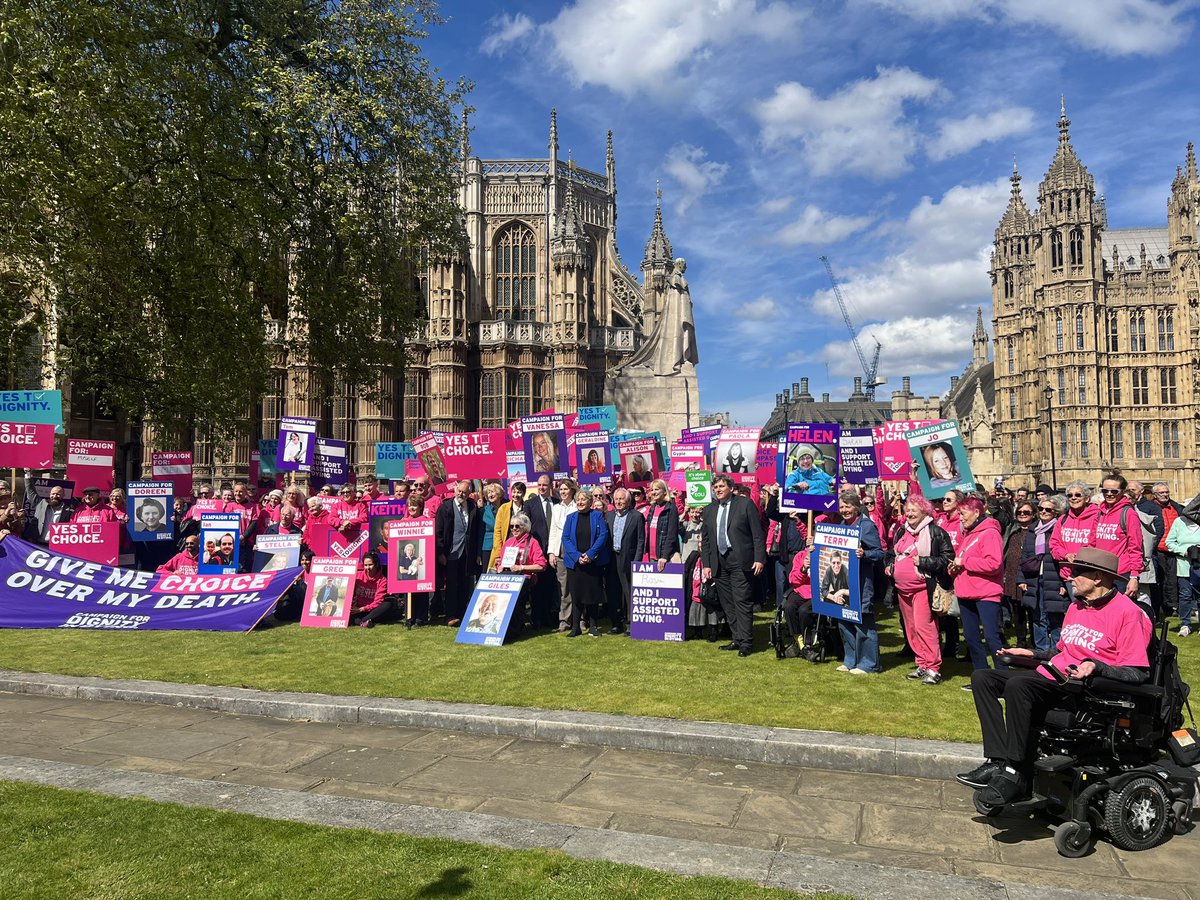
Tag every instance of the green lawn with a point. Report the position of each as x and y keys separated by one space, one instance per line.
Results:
x=56 y=843
x=609 y=674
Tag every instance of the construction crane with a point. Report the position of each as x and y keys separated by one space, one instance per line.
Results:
x=872 y=380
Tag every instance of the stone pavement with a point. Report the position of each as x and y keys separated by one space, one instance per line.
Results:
x=868 y=835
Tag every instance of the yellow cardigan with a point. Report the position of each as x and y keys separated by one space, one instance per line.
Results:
x=500 y=532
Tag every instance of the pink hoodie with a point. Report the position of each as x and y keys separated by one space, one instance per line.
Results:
x=1127 y=542
x=1071 y=534
x=952 y=526
x=981 y=550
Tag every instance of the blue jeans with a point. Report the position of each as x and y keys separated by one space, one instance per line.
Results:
x=987 y=613
x=861 y=643
x=1187 y=600
x=1042 y=642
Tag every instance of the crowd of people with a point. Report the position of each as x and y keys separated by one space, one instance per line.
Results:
x=970 y=573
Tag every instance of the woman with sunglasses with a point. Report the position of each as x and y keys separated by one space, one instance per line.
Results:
x=1044 y=593
x=1119 y=531
x=1024 y=516
x=1074 y=531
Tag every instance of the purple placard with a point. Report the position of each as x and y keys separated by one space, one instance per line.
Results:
x=43 y=589
x=705 y=434
x=856 y=456
x=544 y=439
x=297 y=443
x=810 y=467
x=657 y=608
x=329 y=465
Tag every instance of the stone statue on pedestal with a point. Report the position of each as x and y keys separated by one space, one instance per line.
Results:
x=673 y=341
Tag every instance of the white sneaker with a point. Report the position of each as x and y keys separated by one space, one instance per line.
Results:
x=859 y=672
x=1184 y=631
x=842 y=668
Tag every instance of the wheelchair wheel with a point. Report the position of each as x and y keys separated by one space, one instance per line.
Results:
x=1137 y=817
x=1073 y=839
x=985 y=809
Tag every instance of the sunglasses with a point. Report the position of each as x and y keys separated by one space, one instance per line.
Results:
x=1074 y=496
x=1024 y=512
x=1047 y=509
x=1108 y=493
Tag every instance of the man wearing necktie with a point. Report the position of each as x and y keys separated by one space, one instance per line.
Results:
x=544 y=599
x=732 y=553
x=456 y=533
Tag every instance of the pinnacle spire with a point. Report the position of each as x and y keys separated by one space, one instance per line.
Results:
x=1066 y=171
x=1017 y=218
x=1191 y=164
x=658 y=248
x=554 y=131
x=465 y=139
x=980 y=331
x=1064 y=135
x=569 y=235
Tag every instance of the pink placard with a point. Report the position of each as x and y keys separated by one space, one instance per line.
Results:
x=475 y=454
x=764 y=463
x=90 y=463
x=174 y=466
x=97 y=542
x=891 y=448
x=412 y=562
x=429 y=454
x=330 y=589
x=26 y=445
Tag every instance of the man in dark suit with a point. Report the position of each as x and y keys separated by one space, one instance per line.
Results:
x=457 y=528
x=544 y=600
x=628 y=530
x=733 y=554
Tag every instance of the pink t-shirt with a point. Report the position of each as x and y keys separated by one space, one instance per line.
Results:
x=908 y=579
x=1116 y=634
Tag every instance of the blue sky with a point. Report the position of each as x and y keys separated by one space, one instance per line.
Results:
x=879 y=132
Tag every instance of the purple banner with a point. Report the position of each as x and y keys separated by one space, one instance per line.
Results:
x=41 y=589
x=657 y=608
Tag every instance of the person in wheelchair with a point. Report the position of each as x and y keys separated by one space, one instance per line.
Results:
x=1104 y=633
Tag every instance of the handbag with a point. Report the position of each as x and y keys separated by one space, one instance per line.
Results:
x=943 y=602
x=708 y=596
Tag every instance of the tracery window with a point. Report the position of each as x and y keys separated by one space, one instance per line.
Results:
x=516 y=274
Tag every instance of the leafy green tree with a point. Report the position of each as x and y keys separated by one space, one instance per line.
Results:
x=173 y=172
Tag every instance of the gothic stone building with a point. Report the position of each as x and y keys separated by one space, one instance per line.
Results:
x=1098 y=331
x=532 y=315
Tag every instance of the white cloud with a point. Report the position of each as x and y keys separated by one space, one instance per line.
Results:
x=776 y=206
x=763 y=309
x=632 y=45
x=1117 y=27
x=960 y=135
x=941 y=269
x=695 y=174
x=911 y=345
x=815 y=226
x=504 y=30
x=862 y=128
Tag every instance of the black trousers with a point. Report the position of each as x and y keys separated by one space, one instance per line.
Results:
x=616 y=593
x=458 y=588
x=798 y=612
x=1011 y=735
x=1168 y=582
x=379 y=613
x=736 y=594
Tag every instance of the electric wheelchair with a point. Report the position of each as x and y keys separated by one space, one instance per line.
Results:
x=1114 y=758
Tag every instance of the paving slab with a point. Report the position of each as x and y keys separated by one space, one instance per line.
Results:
x=689 y=831
x=265 y=753
x=1053 y=878
x=162 y=743
x=352 y=735
x=375 y=765
x=488 y=778
x=398 y=793
x=929 y=831
x=891 y=789
x=541 y=811
x=541 y=753
x=471 y=746
x=263 y=778
x=905 y=859
x=50 y=751
x=833 y=820
x=648 y=763
x=1030 y=842
x=150 y=764
x=752 y=776
x=161 y=716
x=660 y=797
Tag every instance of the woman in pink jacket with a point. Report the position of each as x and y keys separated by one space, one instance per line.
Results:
x=371 y=602
x=978 y=572
x=1075 y=530
x=1119 y=531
